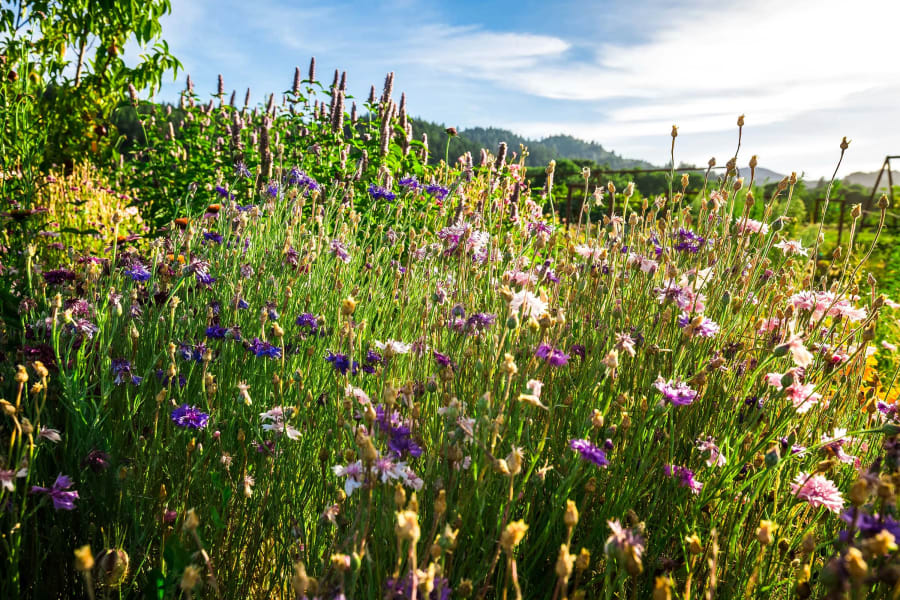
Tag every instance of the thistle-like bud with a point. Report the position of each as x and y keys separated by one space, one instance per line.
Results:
x=740 y=121
x=674 y=132
x=845 y=143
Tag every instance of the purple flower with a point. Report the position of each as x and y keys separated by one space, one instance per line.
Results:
x=685 y=477
x=216 y=332
x=309 y=322
x=402 y=589
x=589 y=452
x=381 y=193
x=699 y=325
x=342 y=363
x=400 y=440
x=372 y=360
x=578 y=350
x=301 y=179
x=242 y=304
x=675 y=392
x=688 y=241
x=225 y=193
x=438 y=191
x=411 y=183
x=62 y=499
x=241 y=170
x=138 y=272
x=339 y=251
x=122 y=369
x=212 y=236
x=264 y=349
x=554 y=356
x=96 y=460
x=190 y=417
x=58 y=276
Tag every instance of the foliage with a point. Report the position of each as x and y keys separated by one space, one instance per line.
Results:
x=66 y=72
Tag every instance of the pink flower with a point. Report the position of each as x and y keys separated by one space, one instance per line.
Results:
x=802 y=357
x=774 y=379
x=801 y=394
x=791 y=248
x=817 y=491
x=533 y=305
x=752 y=226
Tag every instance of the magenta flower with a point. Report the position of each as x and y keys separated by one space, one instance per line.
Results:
x=62 y=499
x=554 y=356
x=674 y=392
x=685 y=477
x=589 y=452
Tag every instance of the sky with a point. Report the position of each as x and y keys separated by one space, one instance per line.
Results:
x=804 y=73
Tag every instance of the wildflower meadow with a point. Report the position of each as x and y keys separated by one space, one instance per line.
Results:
x=287 y=351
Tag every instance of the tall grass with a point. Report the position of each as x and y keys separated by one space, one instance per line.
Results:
x=427 y=388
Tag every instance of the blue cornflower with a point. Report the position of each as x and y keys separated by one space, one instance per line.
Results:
x=138 y=272
x=216 y=331
x=381 y=193
x=212 y=236
x=224 y=193
x=438 y=191
x=309 y=322
x=242 y=304
x=264 y=349
x=241 y=170
x=122 y=368
x=410 y=182
x=190 y=417
x=342 y=363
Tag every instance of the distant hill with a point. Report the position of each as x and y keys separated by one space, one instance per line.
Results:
x=540 y=152
x=868 y=179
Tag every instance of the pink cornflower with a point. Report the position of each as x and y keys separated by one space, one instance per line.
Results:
x=801 y=394
x=715 y=454
x=817 y=491
x=792 y=248
x=802 y=357
x=752 y=226
x=532 y=306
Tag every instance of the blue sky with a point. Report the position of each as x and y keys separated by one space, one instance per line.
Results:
x=804 y=72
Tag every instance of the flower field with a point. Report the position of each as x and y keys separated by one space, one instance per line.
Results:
x=282 y=352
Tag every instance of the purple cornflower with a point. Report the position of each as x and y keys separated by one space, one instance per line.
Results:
x=480 y=321
x=301 y=179
x=309 y=322
x=216 y=332
x=224 y=193
x=212 y=236
x=442 y=359
x=122 y=369
x=554 y=356
x=699 y=325
x=688 y=241
x=400 y=440
x=381 y=193
x=62 y=499
x=675 y=392
x=342 y=363
x=589 y=452
x=241 y=170
x=578 y=350
x=410 y=183
x=96 y=460
x=372 y=360
x=272 y=190
x=190 y=417
x=57 y=276
x=339 y=251
x=138 y=272
x=264 y=349
x=438 y=191
x=685 y=477
x=242 y=304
